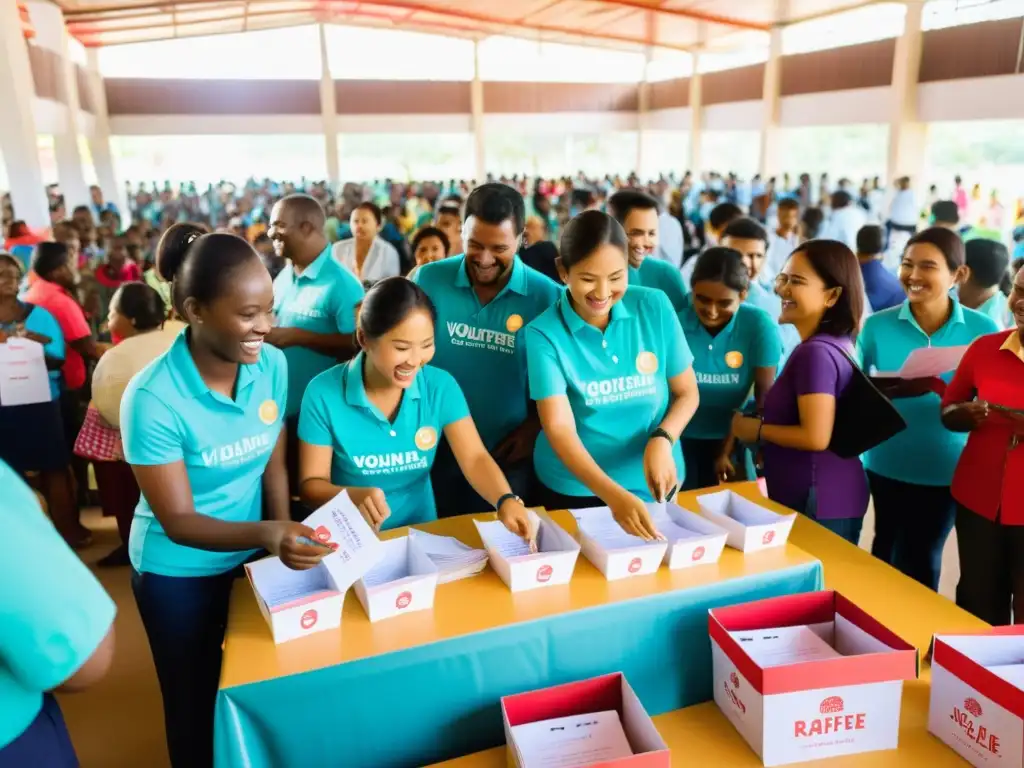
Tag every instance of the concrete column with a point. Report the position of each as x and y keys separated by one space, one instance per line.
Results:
x=99 y=143
x=643 y=119
x=696 y=118
x=52 y=34
x=770 y=162
x=907 y=134
x=18 y=127
x=329 y=114
x=476 y=100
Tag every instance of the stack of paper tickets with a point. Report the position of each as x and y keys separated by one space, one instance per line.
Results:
x=453 y=559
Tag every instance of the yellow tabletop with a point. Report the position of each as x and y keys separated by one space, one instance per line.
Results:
x=460 y=608
x=701 y=735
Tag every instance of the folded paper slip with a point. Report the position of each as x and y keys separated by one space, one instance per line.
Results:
x=454 y=560
x=402 y=582
x=795 y=698
x=598 y=705
x=750 y=526
x=615 y=553
x=510 y=557
x=976 y=703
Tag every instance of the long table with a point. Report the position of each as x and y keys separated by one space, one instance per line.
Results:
x=425 y=687
x=700 y=735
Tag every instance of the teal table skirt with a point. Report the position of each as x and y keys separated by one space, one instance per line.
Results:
x=438 y=701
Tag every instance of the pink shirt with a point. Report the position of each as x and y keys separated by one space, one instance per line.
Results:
x=129 y=273
x=71 y=319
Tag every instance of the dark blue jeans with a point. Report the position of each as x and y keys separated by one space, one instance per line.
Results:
x=912 y=523
x=185 y=620
x=847 y=527
x=44 y=744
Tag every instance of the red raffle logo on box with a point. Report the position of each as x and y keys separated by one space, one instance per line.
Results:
x=635 y=564
x=544 y=573
x=403 y=600
x=972 y=706
x=831 y=705
x=308 y=619
x=698 y=553
x=767 y=538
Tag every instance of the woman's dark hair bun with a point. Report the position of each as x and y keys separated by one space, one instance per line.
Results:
x=173 y=247
x=388 y=303
x=140 y=303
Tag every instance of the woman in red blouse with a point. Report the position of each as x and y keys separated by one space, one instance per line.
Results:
x=986 y=398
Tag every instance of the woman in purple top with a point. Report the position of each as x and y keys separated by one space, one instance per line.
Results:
x=823 y=298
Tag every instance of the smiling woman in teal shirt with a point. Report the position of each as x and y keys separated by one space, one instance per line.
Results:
x=612 y=376
x=910 y=474
x=371 y=426
x=201 y=427
x=736 y=349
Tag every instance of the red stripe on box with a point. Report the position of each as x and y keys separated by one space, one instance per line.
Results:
x=785 y=611
x=846 y=670
x=599 y=694
x=747 y=667
x=1002 y=692
x=660 y=759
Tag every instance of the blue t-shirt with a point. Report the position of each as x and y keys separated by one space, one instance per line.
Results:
x=925 y=453
x=617 y=383
x=997 y=307
x=372 y=452
x=724 y=365
x=54 y=613
x=482 y=345
x=169 y=414
x=655 y=273
x=882 y=287
x=42 y=322
x=322 y=299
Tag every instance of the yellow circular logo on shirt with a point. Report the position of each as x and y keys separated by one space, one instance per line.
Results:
x=647 y=363
x=268 y=411
x=734 y=359
x=514 y=323
x=426 y=438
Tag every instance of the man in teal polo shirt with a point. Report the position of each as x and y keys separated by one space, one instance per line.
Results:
x=484 y=299
x=637 y=212
x=315 y=302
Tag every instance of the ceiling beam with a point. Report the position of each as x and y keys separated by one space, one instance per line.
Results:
x=712 y=18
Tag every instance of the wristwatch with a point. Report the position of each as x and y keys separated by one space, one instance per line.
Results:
x=503 y=499
x=659 y=432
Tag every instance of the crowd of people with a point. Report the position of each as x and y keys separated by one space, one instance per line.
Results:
x=227 y=361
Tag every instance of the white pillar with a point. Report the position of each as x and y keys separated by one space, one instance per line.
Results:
x=99 y=143
x=329 y=114
x=52 y=34
x=907 y=134
x=18 y=127
x=643 y=119
x=476 y=100
x=770 y=162
x=696 y=118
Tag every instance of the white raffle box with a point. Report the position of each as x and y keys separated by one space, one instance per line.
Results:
x=692 y=539
x=750 y=526
x=598 y=694
x=295 y=603
x=551 y=565
x=615 y=553
x=977 y=695
x=798 y=710
x=402 y=582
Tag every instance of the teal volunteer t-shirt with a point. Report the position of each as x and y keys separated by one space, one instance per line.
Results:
x=54 y=613
x=168 y=414
x=322 y=299
x=925 y=453
x=997 y=307
x=763 y=298
x=482 y=346
x=655 y=273
x=616 y=382
x=724 y=365
x=370 y=451
x=42 y=322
